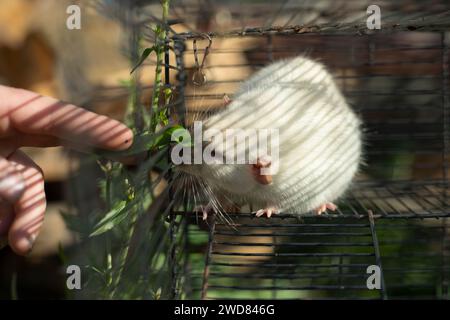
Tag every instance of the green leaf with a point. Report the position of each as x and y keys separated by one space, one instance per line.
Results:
x=14 y=295
x=96 y=270
x=128 y=83
x=168 y=94
x=144 y=56
x=157 y=294
x=111 y=219
x=164 y=138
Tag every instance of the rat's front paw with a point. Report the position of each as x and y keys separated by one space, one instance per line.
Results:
x=267 y=211
x=321 y=209
x=205 y=210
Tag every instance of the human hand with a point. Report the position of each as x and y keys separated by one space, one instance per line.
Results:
x=28 y=119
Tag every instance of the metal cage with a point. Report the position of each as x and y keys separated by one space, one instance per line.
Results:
x=396 y=214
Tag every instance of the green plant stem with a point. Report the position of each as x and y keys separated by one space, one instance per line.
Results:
x=133 y=102
x=124 y=253
x=108 y=251
x=14 y=295
x=160 y=47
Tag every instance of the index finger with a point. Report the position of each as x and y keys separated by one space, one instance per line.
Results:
x=31 y=113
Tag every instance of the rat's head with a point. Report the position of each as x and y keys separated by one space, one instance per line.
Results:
x=222 y=160
x=234 y=178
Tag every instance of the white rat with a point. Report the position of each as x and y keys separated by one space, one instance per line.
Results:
x=319 y=141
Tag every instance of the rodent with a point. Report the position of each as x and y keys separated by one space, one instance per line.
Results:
x=320 y=140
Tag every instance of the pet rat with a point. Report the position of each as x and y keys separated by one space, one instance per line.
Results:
x=319 y=135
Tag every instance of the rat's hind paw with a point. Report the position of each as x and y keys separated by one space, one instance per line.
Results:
x=267 y=211
x=329 y=205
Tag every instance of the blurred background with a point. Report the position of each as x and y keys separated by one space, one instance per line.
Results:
x=38 y=53
x=397 y=81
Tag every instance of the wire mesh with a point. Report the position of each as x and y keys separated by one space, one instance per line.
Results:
x=399 y=85
x=395 y=215
x=284 y=258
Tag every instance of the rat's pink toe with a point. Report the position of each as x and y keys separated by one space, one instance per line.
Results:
x=260 y=213
x=320 y=209
x=323 y=208
x=226 y=100
x=267 y=211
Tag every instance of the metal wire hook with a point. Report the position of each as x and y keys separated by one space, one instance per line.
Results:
x=199 y=77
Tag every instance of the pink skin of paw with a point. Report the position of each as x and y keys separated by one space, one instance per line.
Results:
x=269 y=211
x=226 y=100
x=321 y=209
x=205 y=210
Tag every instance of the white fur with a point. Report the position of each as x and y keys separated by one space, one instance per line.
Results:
x=320 y=138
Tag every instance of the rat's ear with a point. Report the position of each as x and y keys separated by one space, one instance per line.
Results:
x=263 y=162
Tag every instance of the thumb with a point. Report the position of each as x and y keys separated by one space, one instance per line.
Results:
x=12 y=184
